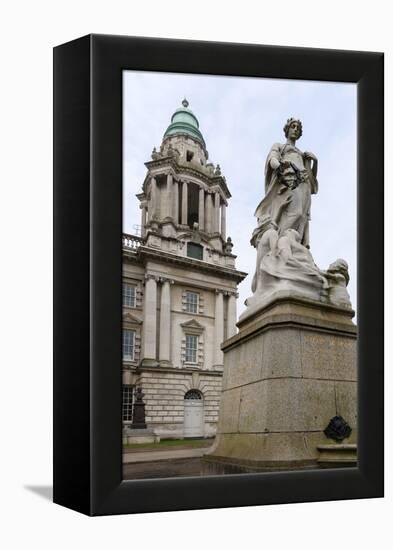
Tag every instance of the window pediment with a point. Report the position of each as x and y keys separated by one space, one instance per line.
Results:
x=192 y=236
x=192 y=327
x=129 y=318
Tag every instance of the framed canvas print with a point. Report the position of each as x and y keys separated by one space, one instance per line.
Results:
x=218 y=275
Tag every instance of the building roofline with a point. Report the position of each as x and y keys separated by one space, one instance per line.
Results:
x=145 y=253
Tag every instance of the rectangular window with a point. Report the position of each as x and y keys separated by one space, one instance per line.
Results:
x=191 y=348
x=129 y=295
x=128 y=393
x=192 y=299
x=128 y=345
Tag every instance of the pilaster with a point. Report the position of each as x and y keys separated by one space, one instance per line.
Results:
x=201 y=209
x=168 y=197
x=219 y=328
x=150 y=321
x=175 y=204
x=143 y=219
x=209 y=213
x=165 y=320
x=216 y=223
x=223 y=221
x=231 y=314
x=153 y=199
x=184 y=205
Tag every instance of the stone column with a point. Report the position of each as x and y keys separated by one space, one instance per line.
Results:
x=231 y=315
x=219 y=328
x=201 y=219
x=169 y=194
x=216 y=226
x=154 y=199
x=150 y=320
x=165 y=321
x=223 y=221
x=175 y=205
x=184 y=204
x=209 y=213
x=143 y=220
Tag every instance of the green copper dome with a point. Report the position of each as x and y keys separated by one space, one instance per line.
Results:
x=184 y=121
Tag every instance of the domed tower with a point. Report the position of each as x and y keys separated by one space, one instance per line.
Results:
x=184 y=196
x=183 y=276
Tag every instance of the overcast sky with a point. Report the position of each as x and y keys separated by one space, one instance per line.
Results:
x=240 y=119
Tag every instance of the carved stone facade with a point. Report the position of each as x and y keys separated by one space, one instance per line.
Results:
x=179 y=285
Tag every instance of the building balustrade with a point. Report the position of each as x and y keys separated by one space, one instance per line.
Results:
x=131 y=242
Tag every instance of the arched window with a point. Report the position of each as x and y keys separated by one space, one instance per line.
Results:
x=193 y=394
x=193 y=204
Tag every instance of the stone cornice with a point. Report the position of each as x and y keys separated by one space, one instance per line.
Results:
x=184 y=232
x=146 y=253
x=175 y=370
x=295 y=312
x=178 y=169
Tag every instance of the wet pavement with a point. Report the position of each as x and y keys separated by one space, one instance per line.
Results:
x=181 y=467
x=167 y=454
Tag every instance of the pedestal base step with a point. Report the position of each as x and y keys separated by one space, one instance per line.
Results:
x=217 y=465
x=337 y=456
x=131 y=436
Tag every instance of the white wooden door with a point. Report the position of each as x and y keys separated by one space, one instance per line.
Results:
x=193 y=418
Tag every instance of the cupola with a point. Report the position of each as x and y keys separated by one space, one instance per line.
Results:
x=184 y=122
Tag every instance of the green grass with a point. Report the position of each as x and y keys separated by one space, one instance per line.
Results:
x=169 y=443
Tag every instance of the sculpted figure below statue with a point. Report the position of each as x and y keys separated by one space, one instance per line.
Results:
x=284 y=262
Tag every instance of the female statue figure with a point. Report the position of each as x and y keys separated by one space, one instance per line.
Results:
x=290 y=180
x=284 y=262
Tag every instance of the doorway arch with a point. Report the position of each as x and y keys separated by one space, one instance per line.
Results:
x=194 y=422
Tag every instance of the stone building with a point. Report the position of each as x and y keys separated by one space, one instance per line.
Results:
x=179 y=287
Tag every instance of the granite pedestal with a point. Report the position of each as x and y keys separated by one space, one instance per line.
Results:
x=289 y=370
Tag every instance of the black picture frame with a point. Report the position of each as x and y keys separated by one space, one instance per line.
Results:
x=88 y=261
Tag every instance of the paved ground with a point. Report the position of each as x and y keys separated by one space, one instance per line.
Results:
x=162 y=447
x=176 y=461
x=151 y=455
x=163 y=468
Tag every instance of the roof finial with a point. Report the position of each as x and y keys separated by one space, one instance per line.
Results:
x=185 y=103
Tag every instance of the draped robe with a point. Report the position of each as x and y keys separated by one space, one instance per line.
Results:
x=287 y=200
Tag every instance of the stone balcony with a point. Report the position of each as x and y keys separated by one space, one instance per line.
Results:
x=131 y=242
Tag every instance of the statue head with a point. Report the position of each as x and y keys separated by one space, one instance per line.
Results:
x=340 y=266
x=293 y=126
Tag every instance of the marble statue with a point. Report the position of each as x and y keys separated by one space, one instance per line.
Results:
x=284 y=262
x=290 y=180
x=338 y=277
